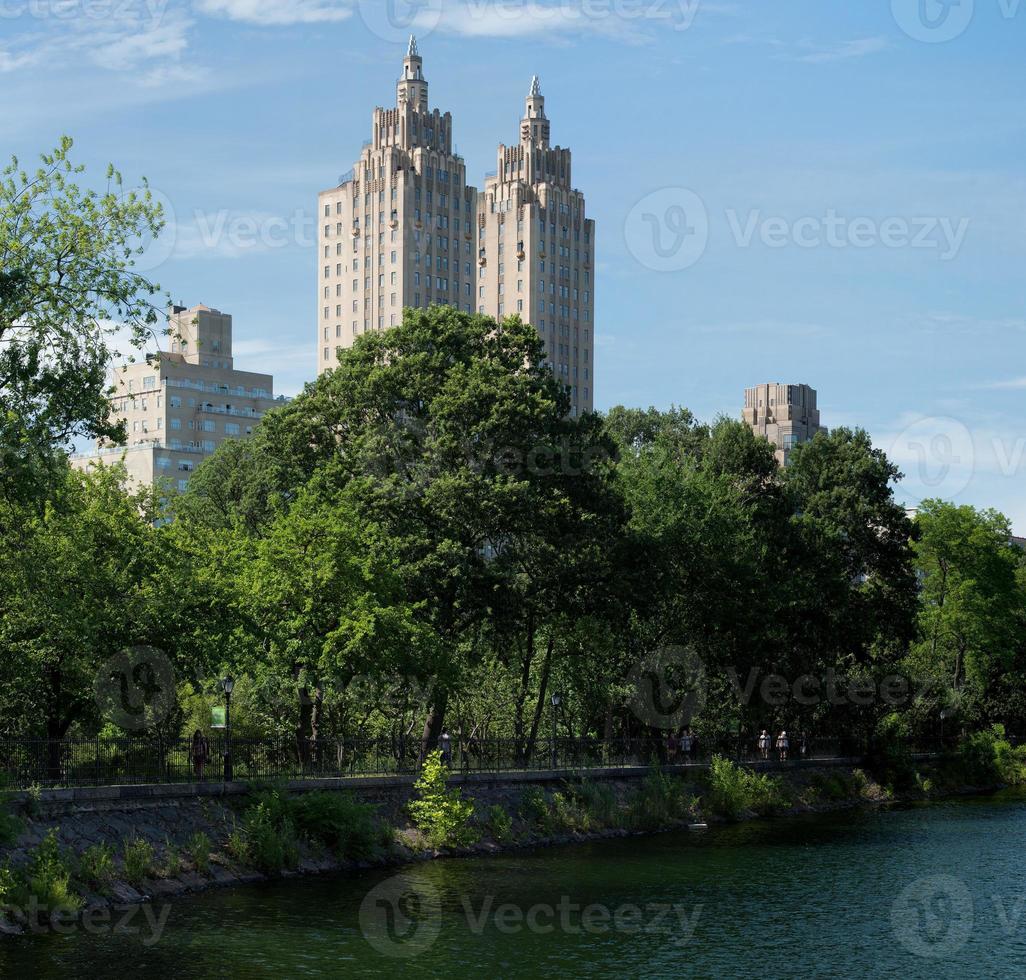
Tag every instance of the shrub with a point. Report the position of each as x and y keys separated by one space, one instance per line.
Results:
x=584 y=806
x=660 y=800
x=733 y=790
x=172 y=861
x=138 y=859
x=499 y=823
x=269 y=839
x=439 y=812
x=198 y=850
x=96 y=867
x=33 y=804
x=534 y=808
x=47 y=879
x=350 y=828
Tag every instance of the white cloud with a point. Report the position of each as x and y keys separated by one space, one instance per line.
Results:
x=268 y=13
x=846 y=51
x=564 y=19
x=812 y=52
x=1012 y=384
x=132 y=33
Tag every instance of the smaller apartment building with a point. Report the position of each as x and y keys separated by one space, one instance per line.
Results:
x=182 y=404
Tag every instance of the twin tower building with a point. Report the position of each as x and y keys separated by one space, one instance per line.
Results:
x=404 y=228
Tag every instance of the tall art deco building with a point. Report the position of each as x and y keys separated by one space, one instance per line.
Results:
x=404 y=228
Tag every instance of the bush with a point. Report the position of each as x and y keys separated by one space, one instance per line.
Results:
x=198 y=850
x=172 y=867
x=46 y=878
x=534 y=808
x=96 y=867
x=499 y=823
x=661 y=800
x=438 y=812
x=584 y=807
x=138 y=859
x=270 y=839
x=350 y=828
x=733 y=790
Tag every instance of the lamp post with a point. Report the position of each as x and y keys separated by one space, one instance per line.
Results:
x=555 y=699
x=228 y=685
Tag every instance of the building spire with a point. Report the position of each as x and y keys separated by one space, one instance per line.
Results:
x=535 y=86
x=411 y=51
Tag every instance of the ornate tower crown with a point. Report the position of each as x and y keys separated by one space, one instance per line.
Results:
x=534 y=127
x=412 y=89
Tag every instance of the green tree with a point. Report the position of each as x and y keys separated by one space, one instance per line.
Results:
x=972 y=596
x=66 y=283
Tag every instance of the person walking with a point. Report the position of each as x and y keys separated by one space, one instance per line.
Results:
x=803 y=744
x=687 y=745
x=671 y=748
x=764 y=744
x=200 y=752
x=782 y=745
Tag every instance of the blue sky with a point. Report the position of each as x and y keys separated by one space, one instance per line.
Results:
x=804 y=190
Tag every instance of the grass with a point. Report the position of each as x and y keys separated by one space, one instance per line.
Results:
x=139 y=860
x=197 y=849
x=45 y=880
x=97 y=868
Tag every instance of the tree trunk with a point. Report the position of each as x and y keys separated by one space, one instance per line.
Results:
x=539 y=707
x=433 y=723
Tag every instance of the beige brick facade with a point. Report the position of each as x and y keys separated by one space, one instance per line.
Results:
x=783 y=414
x=183 y=403
x=404 y=228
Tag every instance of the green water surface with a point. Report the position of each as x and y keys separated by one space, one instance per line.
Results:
x=931 y=891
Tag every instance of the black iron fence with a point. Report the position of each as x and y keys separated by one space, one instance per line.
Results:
x=106 y=762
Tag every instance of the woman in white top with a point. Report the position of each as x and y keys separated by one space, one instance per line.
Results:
x=782 y=745
x=764 y=744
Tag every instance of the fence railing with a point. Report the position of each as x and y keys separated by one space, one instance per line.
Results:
x=105 y=762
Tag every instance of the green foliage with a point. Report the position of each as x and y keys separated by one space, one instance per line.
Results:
x=437 y=811
x=735 y=790
x=197 y=848
x=139 y=858
x=266 y=839
x=173 y=863
x=66 y=285
x=10 y=826
x=534 y=808
x=350 y=828
x=660 y=801
x=46 y=878
x=499 y=824
x=584 y=806
x=97 y=867
x=33 y=803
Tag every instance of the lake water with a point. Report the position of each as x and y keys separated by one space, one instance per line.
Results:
x=932 y=891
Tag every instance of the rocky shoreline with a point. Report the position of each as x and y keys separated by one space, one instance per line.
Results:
x=168 y=827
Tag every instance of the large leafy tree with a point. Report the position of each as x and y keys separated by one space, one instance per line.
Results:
x=66 y=284
x=450 y=436
x=972 y=597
